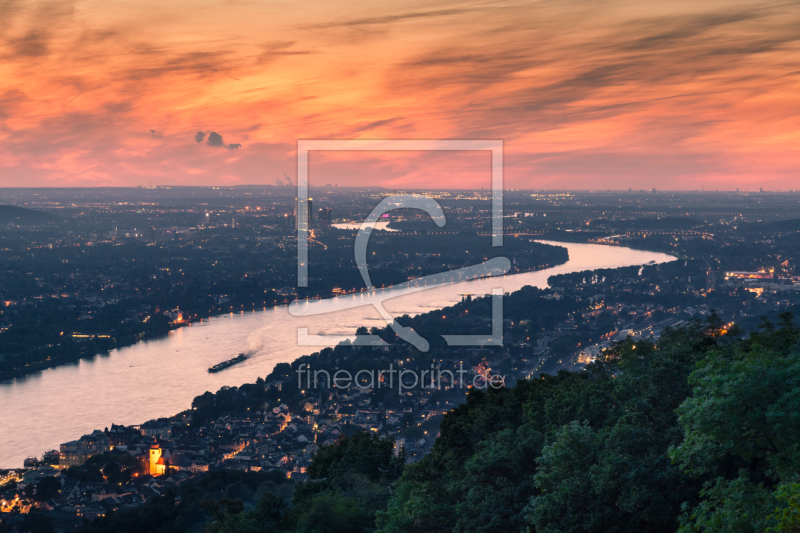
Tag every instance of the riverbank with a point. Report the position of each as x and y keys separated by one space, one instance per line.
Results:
x=72 y=349
x=161 y=377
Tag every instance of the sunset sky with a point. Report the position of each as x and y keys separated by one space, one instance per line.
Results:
x=584 y=94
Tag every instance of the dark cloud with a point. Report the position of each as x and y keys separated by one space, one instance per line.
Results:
x=463 y=59
x=117 y=108
x=9 y=7
x=376 y=124
x=32 y=44
x=8 y=11
x=215 y=139
x=98 y=36
x=681 y=29
x=278 y=49
x=156 y=134
x=200 y=64
x=661 y=54
x=10 y=100
x=394 y=18
x=44 y=19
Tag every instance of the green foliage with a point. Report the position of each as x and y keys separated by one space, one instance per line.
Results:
x=731 y=505
x=362 y=454
x=742 y=429
x=479 y=476
x=210 y=406
x=47 y=488
x=615 y=476
x=573 y=452
x=113 y=467
x=221 y=511
x=202 y=503
x=36 y=522
x=787 y=515
x=349 y=509
x=350 y=482
x=269 y=515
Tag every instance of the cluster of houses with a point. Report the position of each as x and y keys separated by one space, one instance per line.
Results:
x=169 y=452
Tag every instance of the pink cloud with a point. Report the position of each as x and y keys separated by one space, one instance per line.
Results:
x=614 y=96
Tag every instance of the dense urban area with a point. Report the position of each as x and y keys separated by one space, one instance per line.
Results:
x=605 y=389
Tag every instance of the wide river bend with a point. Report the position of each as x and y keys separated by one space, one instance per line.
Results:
x=161 y=377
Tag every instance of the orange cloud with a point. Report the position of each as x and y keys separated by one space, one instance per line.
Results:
x=584 y=95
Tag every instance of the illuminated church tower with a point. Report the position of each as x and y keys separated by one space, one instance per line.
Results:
x=159 y=460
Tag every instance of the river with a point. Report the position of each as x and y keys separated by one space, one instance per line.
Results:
x=161 y=377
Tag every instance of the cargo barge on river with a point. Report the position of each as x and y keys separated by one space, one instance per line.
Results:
x=225 y=364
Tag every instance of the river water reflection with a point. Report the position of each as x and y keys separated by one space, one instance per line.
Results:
x=161 y=377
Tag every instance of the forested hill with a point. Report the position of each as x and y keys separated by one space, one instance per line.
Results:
x=700 y=432
x=10 y=214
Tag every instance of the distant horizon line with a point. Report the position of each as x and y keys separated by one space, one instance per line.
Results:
x=410 y=189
